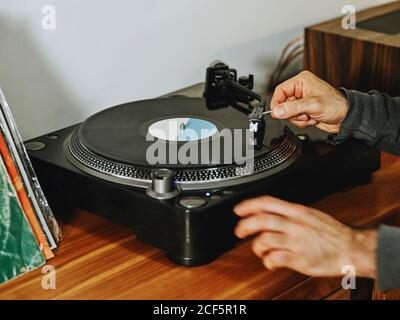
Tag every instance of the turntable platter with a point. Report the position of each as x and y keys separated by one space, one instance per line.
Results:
x=112 y=144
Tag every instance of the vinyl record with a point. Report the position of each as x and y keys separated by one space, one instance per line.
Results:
x=119 y=133
x=205 y=147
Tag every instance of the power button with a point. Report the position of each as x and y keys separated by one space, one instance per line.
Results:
x=192 y=202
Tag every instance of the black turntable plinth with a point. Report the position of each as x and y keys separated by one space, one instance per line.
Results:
x=183 y=204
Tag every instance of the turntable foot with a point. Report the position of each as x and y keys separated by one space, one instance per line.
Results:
x=191 y=262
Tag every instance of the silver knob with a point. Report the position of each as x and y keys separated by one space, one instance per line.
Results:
x=163 y=185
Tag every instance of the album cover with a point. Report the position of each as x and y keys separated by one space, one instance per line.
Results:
x=19 y=249
x=23 y=198
x=31 y=183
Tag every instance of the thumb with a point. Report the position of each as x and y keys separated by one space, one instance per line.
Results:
x=292 y=108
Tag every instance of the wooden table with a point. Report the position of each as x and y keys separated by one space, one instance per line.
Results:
x=101 y=260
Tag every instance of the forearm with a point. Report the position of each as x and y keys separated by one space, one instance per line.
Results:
x=363 y=253
x=373 y=117
x=375 y=254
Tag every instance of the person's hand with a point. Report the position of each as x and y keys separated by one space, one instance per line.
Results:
x=306 y=100
x=304 y=239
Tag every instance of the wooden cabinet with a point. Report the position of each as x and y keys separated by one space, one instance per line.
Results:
x=363 y=58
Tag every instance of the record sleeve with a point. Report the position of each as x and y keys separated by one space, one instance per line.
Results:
x=24 y=165
x=19 y=249
x=23 y=198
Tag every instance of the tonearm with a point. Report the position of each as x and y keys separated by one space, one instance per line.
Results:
x=223 y=87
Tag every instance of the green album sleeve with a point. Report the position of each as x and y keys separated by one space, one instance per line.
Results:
x=19 y=249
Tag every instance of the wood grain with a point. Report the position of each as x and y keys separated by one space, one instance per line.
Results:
x=312 y=289
x=101 y=260
x=356 y=58
x=341 y=294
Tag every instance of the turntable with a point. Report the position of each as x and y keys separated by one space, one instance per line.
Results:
x=160 y=166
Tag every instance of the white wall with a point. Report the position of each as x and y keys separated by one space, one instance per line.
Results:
x=104 y=53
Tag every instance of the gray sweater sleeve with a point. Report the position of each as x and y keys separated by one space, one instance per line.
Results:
x=388 y=258
x=375 y=118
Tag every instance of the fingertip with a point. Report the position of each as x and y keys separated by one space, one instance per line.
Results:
x=278 y=112
x=247 y=207
x=239 y=235
x=237 y=209
x=242 y=208
x=239 y=232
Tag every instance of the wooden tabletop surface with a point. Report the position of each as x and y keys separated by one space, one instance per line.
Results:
x=101 y=260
